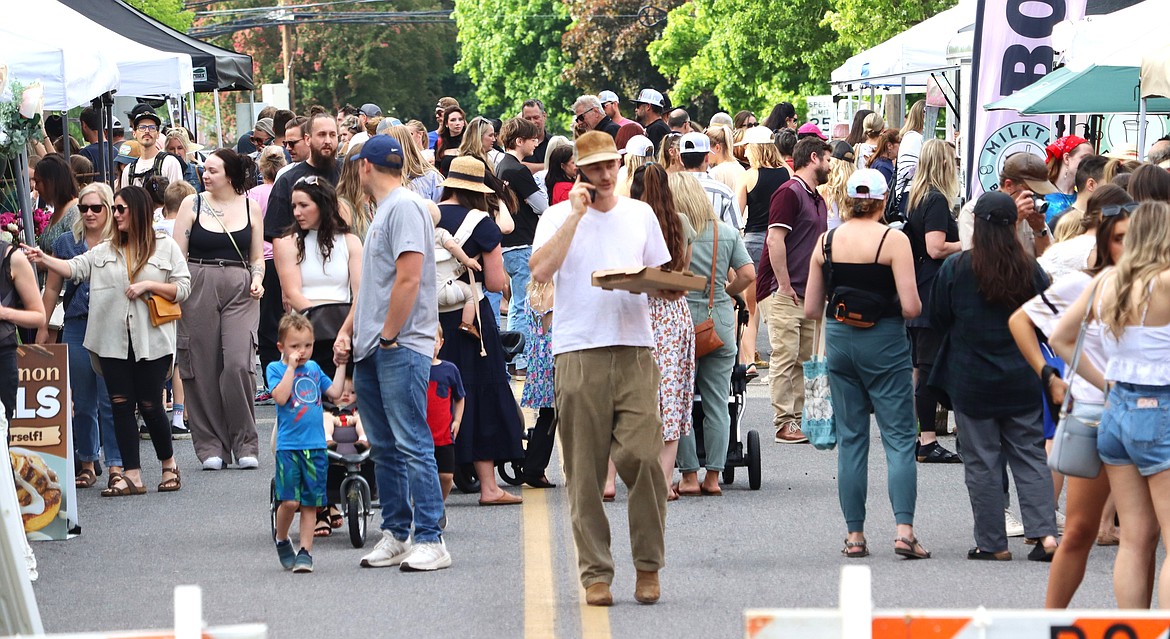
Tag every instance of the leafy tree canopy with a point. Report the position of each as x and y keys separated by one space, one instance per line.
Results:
x=168 y=12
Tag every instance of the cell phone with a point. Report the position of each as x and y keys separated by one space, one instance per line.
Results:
x=584 y=178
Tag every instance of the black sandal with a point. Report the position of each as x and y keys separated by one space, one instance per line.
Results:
x=850 y=549
x=983 y=555
x=915 y=550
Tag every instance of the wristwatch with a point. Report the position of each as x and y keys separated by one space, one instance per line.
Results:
x=387 y=343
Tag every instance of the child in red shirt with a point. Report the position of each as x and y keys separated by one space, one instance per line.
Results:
x=444 y=412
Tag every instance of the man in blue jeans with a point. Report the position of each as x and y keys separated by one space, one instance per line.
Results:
x=391 y=335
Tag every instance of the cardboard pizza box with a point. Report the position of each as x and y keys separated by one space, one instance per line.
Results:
x=645 y=279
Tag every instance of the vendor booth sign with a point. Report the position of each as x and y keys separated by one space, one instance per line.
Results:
x=1013 y=49
x=41 y=444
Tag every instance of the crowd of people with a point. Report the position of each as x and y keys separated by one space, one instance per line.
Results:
x=369 y=264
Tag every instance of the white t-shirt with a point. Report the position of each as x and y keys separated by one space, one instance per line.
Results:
x=1065 y=257
x=585 y=316
x=1061 y=295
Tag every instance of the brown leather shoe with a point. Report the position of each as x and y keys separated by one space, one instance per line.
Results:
x=646 y=589
x=598 y=594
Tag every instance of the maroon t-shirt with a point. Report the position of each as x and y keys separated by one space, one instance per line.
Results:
x=803 y=213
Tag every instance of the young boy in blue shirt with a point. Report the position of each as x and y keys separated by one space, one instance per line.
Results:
x=302 y=464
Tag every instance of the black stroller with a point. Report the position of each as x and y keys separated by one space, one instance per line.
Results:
x=740 y=452
x=509 y=469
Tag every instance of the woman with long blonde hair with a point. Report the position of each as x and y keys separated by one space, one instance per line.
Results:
x=766 y=171
x=841 y=168
x=713 y=370
x=418 y=174
x=934 y=235
x=723 y=166
x=1133 y=303
x=93 y=420
x=907 y=162
x=355 y=205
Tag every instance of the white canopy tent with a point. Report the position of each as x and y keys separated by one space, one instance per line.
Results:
x=72 y=74
x=143 y=71
x=909 y=58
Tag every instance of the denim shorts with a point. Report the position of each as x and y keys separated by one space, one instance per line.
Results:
x=1135 y=428
x=754 y=242
x=301 y=476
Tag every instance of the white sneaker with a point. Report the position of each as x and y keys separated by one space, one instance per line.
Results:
x=1014 y=527
x=427 y=556
x=1059 y=521
x=213 y=463
x=247 y=463
x=388 y=552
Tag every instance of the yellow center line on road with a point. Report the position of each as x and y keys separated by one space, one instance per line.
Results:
x=540 y=597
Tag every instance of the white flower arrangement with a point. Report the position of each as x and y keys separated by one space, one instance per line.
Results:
x=21 y=109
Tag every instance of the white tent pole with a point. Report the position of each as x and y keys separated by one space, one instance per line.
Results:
x=902 y=105
x=1141 y=141
x=218 y=123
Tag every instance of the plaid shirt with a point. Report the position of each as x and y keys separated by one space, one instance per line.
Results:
x=979 y=365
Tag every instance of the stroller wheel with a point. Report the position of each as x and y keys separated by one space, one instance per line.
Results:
x=272 y=505
x=511 y=472
x=356 y=511
x=465 y=479
x=753 y=459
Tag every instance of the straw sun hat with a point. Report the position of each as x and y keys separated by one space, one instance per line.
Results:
x=466 y=173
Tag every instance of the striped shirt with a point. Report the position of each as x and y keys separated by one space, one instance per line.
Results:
x=722 y=199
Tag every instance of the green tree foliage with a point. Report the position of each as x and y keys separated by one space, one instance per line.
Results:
x=607 y=46
x=861 y=24
x=168 y=12
x=750 y=54
x=511 y=51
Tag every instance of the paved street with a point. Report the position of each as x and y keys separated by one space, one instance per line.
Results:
x=514 y=567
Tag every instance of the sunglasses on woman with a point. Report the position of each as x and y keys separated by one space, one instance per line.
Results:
x=120 y=208
x=259 y=142
x=1113 y=210
x=91 y=208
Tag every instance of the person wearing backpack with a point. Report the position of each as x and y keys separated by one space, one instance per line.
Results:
x=153 y=160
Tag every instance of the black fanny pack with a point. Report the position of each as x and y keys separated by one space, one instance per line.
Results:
x=858 y=308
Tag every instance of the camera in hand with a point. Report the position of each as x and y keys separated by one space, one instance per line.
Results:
x=1041 y=205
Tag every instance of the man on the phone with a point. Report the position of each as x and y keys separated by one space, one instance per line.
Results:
x=607 y=381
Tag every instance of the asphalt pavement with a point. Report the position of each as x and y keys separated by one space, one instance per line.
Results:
x=514 y=568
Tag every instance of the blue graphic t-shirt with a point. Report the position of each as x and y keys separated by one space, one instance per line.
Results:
x=300 y=422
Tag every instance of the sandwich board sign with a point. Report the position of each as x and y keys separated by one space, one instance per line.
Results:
x=856 y=619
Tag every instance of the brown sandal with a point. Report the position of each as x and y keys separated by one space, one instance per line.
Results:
x=86 y=478
x=114 y=477
x=172 y=484
x=128 y=489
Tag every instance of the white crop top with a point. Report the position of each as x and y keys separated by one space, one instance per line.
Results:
x=1140 y=355
x=325 y=281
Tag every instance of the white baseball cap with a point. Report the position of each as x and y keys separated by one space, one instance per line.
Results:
x=607 y=96
x=694 y=143
x=639 y=146
x=650 y=96
x=756 y=135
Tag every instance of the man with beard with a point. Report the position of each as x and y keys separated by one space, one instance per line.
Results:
x=648 y=110
x=320 y=135
x=797 y=217
x=153 y=160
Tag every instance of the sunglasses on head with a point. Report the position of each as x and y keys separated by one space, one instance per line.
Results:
x=120 y=208
x=91 y=208
x=1113 y=210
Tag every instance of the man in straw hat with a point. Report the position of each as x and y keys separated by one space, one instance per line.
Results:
x=390 y=334
x=607 y=382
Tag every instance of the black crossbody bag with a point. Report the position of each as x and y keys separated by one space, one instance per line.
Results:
x=849 y=305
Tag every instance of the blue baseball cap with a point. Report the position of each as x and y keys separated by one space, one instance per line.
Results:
x=382 y=150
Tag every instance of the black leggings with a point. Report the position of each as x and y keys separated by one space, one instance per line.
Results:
x=926 y=344
x=138 y=383
x=540 y=444
x=9 y=379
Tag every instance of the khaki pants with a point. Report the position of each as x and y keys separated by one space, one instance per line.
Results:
x=607 y=405
x=216 y=350
x=791 y=337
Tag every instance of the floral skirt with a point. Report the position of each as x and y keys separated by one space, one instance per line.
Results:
x=674 y=352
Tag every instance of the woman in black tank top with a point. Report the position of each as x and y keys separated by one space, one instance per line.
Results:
x=20 y=307
x=222 y=233
x=766 y=172
x=864 y=269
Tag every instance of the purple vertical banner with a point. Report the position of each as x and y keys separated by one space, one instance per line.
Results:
x=1013 y=49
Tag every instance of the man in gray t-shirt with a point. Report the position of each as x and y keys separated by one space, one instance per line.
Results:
x=391 y=335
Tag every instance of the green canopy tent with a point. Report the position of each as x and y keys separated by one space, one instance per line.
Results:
x=1098 y=89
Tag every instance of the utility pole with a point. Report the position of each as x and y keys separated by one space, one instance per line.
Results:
x=287 y=57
